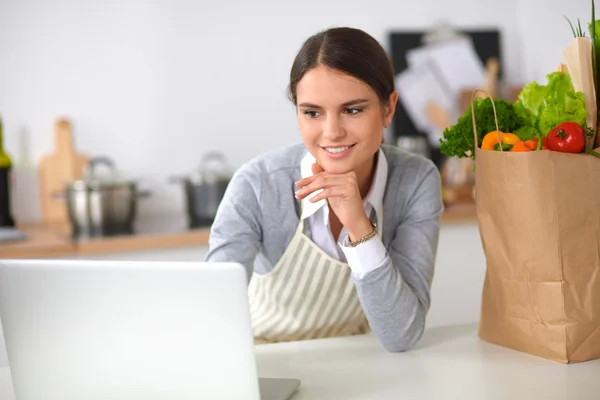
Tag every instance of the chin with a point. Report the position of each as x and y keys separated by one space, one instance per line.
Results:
x=336 y=166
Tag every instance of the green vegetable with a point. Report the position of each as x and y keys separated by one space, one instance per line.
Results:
x=458 y=140
x=5 y=160
x=529 y=130
x=594 y=28
x=577 y=31
x=544 y=107
x=592 y=152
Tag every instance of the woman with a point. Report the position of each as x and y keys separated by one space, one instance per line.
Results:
x=338 y=234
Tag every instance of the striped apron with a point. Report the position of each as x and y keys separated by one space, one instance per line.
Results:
x=307 y=295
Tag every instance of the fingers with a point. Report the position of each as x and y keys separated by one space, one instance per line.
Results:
x=334 y=191
x=323 y=182
x=317 y=171
x=307 y=181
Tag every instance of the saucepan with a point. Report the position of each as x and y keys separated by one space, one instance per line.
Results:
x=205 y=187
x=102 y=205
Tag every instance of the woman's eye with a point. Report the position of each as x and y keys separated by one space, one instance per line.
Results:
x=311 y=113
x=352 y=111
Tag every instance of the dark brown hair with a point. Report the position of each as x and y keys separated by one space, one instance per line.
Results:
x=349 y=50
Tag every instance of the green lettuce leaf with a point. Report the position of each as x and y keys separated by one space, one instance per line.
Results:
x=545 y=107
x=526 y=132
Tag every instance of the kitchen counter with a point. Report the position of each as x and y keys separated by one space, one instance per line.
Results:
x=162 y=232
x=154 y=233
x=449 y=362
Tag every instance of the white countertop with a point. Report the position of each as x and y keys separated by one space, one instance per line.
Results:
x=448 y=363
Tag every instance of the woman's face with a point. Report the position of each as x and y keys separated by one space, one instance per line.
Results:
x=341 y=119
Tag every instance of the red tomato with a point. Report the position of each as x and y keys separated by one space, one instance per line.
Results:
x=567 y=137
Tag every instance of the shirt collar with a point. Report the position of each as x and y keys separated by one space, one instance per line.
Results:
x=374 y=196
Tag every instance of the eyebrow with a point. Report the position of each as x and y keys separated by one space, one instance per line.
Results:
x=346 y=104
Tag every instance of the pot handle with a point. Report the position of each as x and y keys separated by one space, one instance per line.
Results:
x=90 y=168
x=212 y=156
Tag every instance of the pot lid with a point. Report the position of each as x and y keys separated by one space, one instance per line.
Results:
x=92 y=179
x=213 y=167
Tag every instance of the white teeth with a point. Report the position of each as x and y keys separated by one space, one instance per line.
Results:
x=337 y=149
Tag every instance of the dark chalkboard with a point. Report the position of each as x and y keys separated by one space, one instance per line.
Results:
x=487 y=44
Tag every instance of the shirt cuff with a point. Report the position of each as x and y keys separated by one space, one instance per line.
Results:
x=365 y=257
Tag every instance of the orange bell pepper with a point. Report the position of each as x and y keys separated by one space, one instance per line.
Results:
x=533 y=143
x=491 y=139
x=520 y=147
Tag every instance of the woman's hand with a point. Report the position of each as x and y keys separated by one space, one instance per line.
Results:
x=342 y=193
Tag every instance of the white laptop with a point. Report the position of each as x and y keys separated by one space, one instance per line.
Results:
x=131 y=330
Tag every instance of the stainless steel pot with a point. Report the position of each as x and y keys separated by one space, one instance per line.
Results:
x=205 y=188
x=102 y=206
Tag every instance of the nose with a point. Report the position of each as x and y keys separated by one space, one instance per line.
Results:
x=333 y=129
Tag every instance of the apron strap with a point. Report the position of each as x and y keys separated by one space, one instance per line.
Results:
x=300 y=227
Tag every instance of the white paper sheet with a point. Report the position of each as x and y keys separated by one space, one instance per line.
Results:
x=456 y=62
x=417 y=88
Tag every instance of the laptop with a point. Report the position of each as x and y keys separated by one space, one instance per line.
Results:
x=129 y=330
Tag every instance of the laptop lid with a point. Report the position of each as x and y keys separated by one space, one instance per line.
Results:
x=77 y=329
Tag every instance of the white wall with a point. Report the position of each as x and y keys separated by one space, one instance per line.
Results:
x=155 y=84
x=546 y=32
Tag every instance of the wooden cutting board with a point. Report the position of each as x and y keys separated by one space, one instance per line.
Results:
x=56 y=170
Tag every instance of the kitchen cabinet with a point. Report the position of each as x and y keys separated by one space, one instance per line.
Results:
x=456 y=289
x=458 y=277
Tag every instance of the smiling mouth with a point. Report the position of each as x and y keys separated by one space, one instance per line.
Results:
x=338 y=149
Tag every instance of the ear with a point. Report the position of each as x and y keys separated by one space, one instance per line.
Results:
x=390 y=108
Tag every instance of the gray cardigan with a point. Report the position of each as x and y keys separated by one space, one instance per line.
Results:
x=259 y=215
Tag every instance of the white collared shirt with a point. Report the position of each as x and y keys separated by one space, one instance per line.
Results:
x=367 y=256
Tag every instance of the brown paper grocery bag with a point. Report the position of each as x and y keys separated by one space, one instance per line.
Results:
x=539 y=221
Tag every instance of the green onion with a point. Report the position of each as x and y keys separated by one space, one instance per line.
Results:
x=580 y=31
x=571 y=25
x=594 y=59
x=577 y=32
